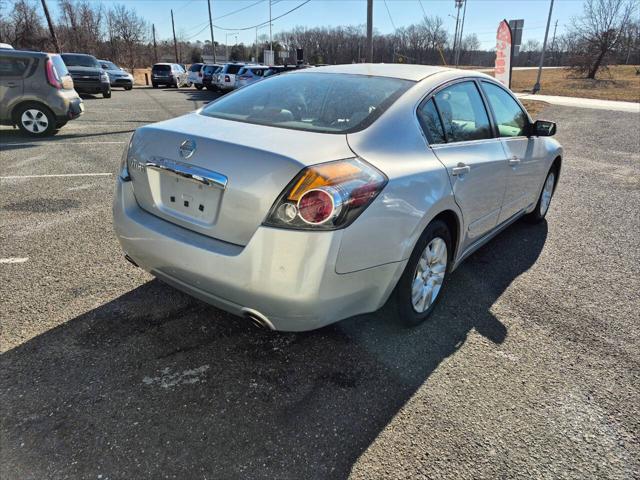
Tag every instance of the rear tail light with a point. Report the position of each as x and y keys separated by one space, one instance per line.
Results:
x=227 y=78
x=327 y=196
x=52 y=75
x=199 y=74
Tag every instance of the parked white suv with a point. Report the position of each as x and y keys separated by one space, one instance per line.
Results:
x=226 y=78
x=195 y=75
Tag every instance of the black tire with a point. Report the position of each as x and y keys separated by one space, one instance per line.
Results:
x=539 y=213
x=60 y=125
x=128 y=88
x=46 y=116
x=154 y=85
x=106 y=93
x=198 y=86
x=402 y=295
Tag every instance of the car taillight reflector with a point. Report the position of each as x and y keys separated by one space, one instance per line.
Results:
x=318 y=206
x=52 y=75
x=227 y=78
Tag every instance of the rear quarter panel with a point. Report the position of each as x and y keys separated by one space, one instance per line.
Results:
x=418 y=188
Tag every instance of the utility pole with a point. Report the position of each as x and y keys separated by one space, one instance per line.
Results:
x=370 y=31
x=553 y=42
x=536 y=87
x=455 y=36
x=175 y=43
x=51 y=29
x=257 y=45
x=155 y=46
x=270 y=37
x=213 y=42
x=464 y=14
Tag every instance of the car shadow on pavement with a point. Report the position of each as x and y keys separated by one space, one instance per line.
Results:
x=156 y=384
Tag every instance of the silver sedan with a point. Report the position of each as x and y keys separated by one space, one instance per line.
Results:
x=320 y=194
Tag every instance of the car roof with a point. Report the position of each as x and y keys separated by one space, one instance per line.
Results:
x=393 y=70
x=10 y=51
x=164 y=63
x=79 y=54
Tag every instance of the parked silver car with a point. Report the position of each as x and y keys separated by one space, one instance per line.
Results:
x=314 y=196
x=118 y=77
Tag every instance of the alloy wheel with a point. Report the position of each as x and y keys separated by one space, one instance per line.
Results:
x=429 y=275
x=35 y=121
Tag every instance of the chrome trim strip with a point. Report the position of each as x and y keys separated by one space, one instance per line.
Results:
x=191 y=172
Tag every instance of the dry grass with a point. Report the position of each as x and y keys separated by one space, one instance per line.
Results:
x=618 y=83
x=534 y=107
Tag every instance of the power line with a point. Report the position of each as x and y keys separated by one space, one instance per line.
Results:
x=389 y=13
x=267 y=22
x=424 y=12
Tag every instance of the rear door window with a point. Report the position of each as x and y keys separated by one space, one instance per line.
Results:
x=463 y=114
x=14 y=66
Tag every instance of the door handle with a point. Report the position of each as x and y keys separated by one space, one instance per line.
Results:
x=514 y=160
x=461 y=169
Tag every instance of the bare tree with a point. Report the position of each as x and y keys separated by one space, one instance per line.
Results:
x=598 y=33
x=23 y=27
x=128 y=34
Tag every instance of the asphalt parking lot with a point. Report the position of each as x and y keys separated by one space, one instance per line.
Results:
x=530 y=367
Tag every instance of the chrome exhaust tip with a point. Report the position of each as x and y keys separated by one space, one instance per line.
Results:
x=257 y=319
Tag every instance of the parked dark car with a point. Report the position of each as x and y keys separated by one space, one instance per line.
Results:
x=169 y=75
x=36 y=92
x=208 y=75
x=87 y=74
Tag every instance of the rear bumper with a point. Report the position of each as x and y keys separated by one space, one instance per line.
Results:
x=287 y=276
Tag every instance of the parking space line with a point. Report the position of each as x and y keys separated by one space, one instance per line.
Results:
x=57 y=175
x=14 y=260
x=59 y=142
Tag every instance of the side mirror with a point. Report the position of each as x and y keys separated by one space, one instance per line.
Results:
x=543 y=128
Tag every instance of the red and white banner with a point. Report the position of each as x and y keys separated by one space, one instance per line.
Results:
x=502 y=71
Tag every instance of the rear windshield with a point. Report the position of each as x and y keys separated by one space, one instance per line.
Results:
x=59 y=66
x=161 y=68
x=195 y=67
x=79 y=61
x=210 y=68
x=233 y=69
x=317 y=102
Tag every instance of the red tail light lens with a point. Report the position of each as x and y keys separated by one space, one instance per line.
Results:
x=227 y=78
x=52 y=75
x=327 y=196
x=316 y=207
x=199 y=74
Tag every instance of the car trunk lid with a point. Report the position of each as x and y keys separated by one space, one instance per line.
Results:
x=228 y=174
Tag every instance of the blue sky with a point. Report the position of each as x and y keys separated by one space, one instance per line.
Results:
x=482 y=17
